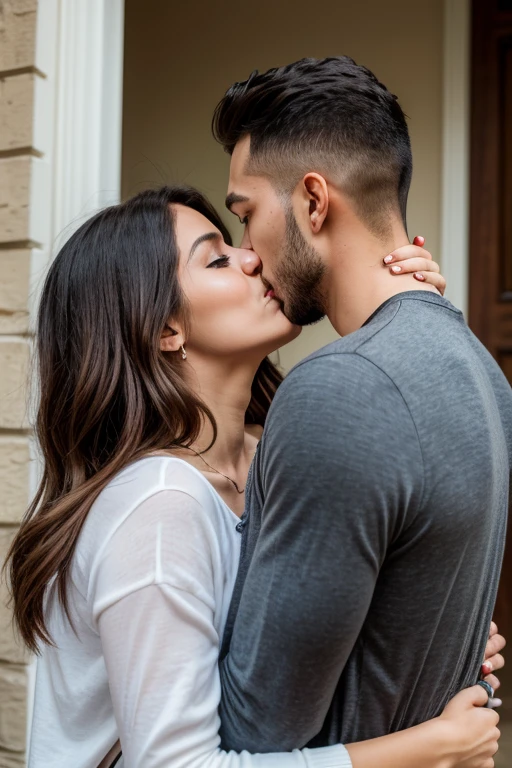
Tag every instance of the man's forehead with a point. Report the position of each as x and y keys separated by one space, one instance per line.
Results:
x=240 y=155
x=245 y=186
x=239 y=164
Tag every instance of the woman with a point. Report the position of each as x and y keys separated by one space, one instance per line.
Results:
x=152 y=343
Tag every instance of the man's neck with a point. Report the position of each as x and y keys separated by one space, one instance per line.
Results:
x=359 y=282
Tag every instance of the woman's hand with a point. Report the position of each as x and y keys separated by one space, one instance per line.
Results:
x=414 y=258
x=471 y=733
x=493 y=660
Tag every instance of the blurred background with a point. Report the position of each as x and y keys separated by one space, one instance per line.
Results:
x=101 y=98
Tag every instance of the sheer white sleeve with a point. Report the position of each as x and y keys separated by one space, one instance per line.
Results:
x=153 y=592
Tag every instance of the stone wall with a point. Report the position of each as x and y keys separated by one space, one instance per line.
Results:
x=18 y=78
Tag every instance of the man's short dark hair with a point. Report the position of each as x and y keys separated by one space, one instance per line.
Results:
x=326 y=115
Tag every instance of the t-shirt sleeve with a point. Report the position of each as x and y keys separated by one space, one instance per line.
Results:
x=335 y=497
x=153 y=596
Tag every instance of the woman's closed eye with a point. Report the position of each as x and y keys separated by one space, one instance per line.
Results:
x=222 y=261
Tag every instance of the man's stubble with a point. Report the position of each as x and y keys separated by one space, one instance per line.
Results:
x=299 y=277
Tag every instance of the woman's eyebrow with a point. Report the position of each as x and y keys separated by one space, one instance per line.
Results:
x=202 y=239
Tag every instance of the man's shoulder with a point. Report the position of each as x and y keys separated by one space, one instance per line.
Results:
x=340 y=356
x=334 y=365
x=337 y=374
x=393 y=330
x=348 y=350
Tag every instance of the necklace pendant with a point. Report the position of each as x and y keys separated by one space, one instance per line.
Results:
x=233 y=482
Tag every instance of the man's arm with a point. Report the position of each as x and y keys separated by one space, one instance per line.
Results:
x=340 y=464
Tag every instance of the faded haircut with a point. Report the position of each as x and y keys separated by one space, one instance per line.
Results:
x=325 y=115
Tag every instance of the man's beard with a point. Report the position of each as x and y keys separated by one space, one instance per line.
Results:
x=298 y=277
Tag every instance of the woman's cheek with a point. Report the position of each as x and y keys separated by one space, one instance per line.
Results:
x=215 y=294
x=231 y=290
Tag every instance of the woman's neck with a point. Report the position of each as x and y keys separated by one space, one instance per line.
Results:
x=226 y=390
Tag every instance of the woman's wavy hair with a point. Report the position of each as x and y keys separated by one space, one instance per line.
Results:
x=108 y=394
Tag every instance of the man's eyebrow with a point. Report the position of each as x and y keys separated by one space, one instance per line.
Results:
x=233 y=198
x=203 y=239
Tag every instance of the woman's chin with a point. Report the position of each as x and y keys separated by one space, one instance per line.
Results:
x=255 y=350
x=295 y=331
x=292 y=332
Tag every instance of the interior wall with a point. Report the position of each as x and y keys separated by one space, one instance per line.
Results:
x=181 y=57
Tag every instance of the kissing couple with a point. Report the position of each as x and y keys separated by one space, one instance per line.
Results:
x=222 y=569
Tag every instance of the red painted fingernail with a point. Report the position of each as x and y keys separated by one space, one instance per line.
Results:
x=419 y=277
x=487 y=668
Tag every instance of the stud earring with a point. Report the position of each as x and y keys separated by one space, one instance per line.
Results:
x=183 y=352
x=314 y=215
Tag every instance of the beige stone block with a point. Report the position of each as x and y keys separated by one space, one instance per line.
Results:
x=13 y=323
x=13 y=707
x=17 y=33
x=12 y=759
x=14 y=198
x=14 y=359
x=14 y=478
x=14 y=291
x=16 y=111
x=11 y=648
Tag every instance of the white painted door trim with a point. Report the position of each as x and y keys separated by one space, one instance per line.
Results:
x=87 y=169
x=77 y=122
x=455 y=155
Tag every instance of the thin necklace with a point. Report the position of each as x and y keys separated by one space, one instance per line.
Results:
x=217 y=471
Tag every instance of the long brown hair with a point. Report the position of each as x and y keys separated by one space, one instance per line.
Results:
x=108 y=395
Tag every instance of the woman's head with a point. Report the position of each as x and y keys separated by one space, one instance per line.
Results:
x=130 y=287
x=152 y=274
x=120 y=295
x=230 y=313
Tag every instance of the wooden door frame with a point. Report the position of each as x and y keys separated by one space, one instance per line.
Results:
x=490 y=312
x=485 y=196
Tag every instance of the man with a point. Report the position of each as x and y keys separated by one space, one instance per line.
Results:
x=376 y=511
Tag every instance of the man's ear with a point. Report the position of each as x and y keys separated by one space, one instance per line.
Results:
x=315 y=193
x=171 y=338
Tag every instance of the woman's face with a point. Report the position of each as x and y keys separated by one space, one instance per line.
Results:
x=230 y=310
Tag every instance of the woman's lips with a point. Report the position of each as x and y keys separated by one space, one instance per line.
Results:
x=270 y=295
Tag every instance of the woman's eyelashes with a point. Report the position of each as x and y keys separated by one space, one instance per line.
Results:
x=222 y=261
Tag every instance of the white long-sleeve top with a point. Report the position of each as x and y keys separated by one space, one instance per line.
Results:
x=151 y=582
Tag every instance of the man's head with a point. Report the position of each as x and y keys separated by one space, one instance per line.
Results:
x=299 y=136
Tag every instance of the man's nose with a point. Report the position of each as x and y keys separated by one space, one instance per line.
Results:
x=251 y=263
x=246 y=240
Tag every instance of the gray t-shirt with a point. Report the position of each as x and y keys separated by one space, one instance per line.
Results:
x=373 y=535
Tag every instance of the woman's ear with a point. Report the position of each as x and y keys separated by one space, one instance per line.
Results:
x=171 y=339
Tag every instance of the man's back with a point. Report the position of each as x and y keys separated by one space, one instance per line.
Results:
x=424 y=635
x=375 y=532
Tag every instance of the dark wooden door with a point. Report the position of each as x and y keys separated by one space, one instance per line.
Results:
x=490 y=301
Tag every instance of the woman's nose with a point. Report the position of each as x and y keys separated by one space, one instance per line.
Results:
x=251 y=263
